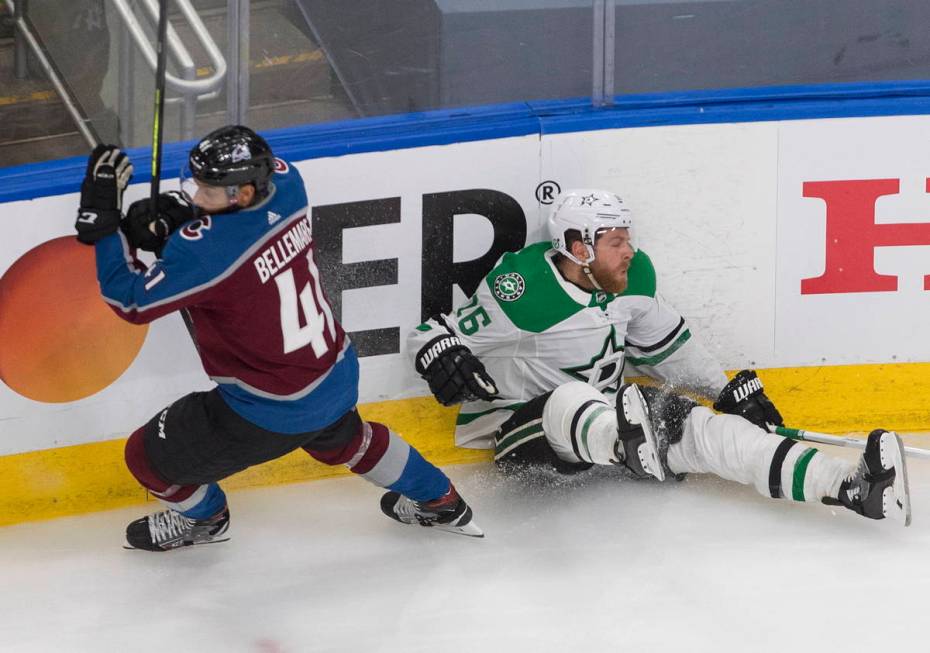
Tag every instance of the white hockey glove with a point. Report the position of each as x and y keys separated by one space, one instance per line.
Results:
x=108 y=173
x=453 y=373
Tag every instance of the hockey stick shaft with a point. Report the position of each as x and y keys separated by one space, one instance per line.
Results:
x=158 y=121
x=158 y=127
x=824 y=438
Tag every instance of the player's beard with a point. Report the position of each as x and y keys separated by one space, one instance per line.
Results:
x=612 y=281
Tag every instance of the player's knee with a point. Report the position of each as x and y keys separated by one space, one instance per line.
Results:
x=565 y=417
x=353 y=443
x=340 y=442
x=138 y=463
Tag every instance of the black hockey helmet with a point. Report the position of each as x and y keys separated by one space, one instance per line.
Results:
x=232 y=156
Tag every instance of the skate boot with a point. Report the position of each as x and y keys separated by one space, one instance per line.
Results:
x=170 y=529
x=637 y=447
x=447 y=513
x=878 y=488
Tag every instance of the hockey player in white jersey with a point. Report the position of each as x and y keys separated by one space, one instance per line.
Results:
x=537 y=355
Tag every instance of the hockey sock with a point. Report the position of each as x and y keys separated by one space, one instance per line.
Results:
x=383 y=458
x=804 y=474
x=593 y=435
x=580 y=424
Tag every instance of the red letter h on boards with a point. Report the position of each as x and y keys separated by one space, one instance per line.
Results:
x=852 y=236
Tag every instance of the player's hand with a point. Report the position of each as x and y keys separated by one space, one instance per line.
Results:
x=453 y=373
x=147 y=229
x=745 y=396
x=108 y=173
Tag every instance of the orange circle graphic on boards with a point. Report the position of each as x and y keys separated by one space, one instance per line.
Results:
x=59 y=341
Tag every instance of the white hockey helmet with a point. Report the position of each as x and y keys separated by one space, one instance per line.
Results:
x=587 y=211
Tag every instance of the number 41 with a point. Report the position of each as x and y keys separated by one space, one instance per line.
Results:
x=296 y=336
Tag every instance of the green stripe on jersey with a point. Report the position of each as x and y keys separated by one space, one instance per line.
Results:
x=530 y=432
x=800 y=472
x=468 y=418
x=661 y=356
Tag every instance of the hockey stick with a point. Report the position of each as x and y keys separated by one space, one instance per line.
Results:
x=823 y=438
x=157 y=131
x=160 y=74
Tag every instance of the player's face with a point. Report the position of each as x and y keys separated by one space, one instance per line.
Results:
x=612 y=255
x=212 y=199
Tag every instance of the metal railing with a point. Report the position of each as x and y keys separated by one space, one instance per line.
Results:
x=133 y=37
x=24 y=37
x=190 y=88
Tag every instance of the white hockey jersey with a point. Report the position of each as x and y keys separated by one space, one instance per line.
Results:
x=534 y=331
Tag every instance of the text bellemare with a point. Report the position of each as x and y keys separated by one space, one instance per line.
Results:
x=283 y=250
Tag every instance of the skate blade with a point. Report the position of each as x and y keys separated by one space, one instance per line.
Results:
x=896 y=500
x=469 y=529
x=177 y=548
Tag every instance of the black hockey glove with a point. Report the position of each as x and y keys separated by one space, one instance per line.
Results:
x=744 y=396
x=147 y=229
x=454 y=374
x=108 y=173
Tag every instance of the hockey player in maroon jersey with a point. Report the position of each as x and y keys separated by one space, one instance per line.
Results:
x=238 y=259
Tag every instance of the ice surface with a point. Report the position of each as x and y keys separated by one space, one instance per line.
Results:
x=593 y=564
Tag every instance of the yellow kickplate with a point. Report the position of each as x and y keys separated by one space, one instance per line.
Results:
x=92 y=477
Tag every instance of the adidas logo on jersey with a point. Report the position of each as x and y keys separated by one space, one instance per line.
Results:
x=273 y=217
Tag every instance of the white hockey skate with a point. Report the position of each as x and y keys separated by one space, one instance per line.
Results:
x=878 y=489
x=636 y=446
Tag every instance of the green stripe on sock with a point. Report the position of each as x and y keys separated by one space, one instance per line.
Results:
x=800 y=471
x=587 y=424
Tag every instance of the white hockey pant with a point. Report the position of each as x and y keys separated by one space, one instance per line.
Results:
x=580 y=425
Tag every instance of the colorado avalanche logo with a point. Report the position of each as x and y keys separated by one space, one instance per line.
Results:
x=280 y=166
x=509 y=287
x=241 y=153
x=194 y=230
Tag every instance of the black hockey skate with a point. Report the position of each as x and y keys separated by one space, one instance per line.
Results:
x=169 y=530
x=637 y=447
x=878 y=488
x=447 y=513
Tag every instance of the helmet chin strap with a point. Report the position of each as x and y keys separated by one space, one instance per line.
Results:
x=587 y=273
x=587 y=270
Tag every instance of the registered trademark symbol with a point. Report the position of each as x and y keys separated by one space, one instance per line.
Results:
x=547 y=191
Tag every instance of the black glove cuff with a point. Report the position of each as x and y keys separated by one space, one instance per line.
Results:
x=93 y=225
x=432 y=350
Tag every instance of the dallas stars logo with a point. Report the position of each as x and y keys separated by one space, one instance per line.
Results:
x=509 y=287
x=588 y=200
x=604 y=370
